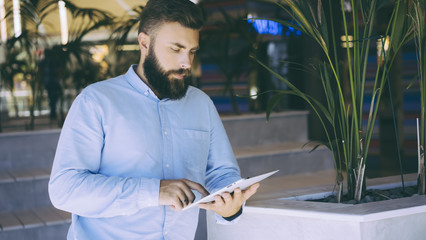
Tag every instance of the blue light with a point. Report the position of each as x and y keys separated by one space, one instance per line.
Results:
x=264 y=26
x=267 y=27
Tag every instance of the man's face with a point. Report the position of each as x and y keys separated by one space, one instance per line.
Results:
x=167 y=66
x=163 y=81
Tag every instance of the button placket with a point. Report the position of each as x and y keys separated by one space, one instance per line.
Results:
x=167 y=143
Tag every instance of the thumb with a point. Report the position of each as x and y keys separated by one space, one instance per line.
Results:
x=250 y=191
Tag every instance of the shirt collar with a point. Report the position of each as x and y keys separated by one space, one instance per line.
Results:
x=137 y=83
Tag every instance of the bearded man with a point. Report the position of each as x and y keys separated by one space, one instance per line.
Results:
x=136 y=149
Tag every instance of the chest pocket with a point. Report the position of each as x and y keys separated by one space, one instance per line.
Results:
x=194 y=151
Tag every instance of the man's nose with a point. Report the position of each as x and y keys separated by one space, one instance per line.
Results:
x=185 y=61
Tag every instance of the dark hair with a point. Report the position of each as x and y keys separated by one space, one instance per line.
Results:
x=157 y=12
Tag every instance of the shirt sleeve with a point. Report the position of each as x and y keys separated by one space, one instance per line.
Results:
x=222 y=167
x=75 y=184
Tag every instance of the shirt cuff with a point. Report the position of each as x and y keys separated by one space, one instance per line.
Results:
x=148 y=193
x=230 y=220
x=235 y=215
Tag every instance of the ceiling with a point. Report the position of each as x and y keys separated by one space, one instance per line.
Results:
x=118 y=8
x=51 y=24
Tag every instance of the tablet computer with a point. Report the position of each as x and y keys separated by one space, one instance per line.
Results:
x=242 y=184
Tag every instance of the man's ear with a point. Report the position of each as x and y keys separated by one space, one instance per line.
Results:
x=144 y=43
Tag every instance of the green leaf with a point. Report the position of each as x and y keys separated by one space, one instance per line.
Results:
x=314 y=147
x=272 y=103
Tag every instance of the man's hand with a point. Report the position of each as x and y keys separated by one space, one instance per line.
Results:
x=177 y=193
x=228 y=204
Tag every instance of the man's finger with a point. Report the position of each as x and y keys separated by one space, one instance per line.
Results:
x=177 y=203
x=185 y=196
x=188 y=194
x=218 y=201
x=227 y=197
x=238 y=194
x=250 y=191
x=196 y=186
x=206 y=206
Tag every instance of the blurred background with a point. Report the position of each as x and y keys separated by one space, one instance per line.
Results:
x=50 y=50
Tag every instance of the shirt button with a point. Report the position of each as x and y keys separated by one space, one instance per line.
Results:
x=167 y=165
x=146 y=93
x=165 y=132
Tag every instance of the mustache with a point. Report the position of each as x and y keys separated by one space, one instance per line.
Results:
x=180 y=71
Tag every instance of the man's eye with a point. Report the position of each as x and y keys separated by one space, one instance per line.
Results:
x=175 y=49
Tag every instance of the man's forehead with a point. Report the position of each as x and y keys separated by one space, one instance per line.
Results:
x=178 y=35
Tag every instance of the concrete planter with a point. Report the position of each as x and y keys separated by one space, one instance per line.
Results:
x=289 y=218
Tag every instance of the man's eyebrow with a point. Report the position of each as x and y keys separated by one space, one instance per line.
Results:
x=183 y=47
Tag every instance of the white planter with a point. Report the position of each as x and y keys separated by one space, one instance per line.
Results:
x=281 y=218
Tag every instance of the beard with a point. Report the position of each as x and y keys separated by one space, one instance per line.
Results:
x=162 y=81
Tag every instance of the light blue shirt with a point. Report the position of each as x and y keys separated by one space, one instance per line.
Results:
x=118 y=141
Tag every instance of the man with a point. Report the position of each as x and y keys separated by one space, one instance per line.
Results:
x=138 y=148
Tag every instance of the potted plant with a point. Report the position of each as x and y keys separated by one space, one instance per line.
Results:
x=348 y=136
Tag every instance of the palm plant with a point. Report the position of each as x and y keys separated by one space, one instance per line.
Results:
x=29 y=44
x=74 y=60
x=122 y=28
x=67 y=58
x=342 y=115
x=12 y=66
